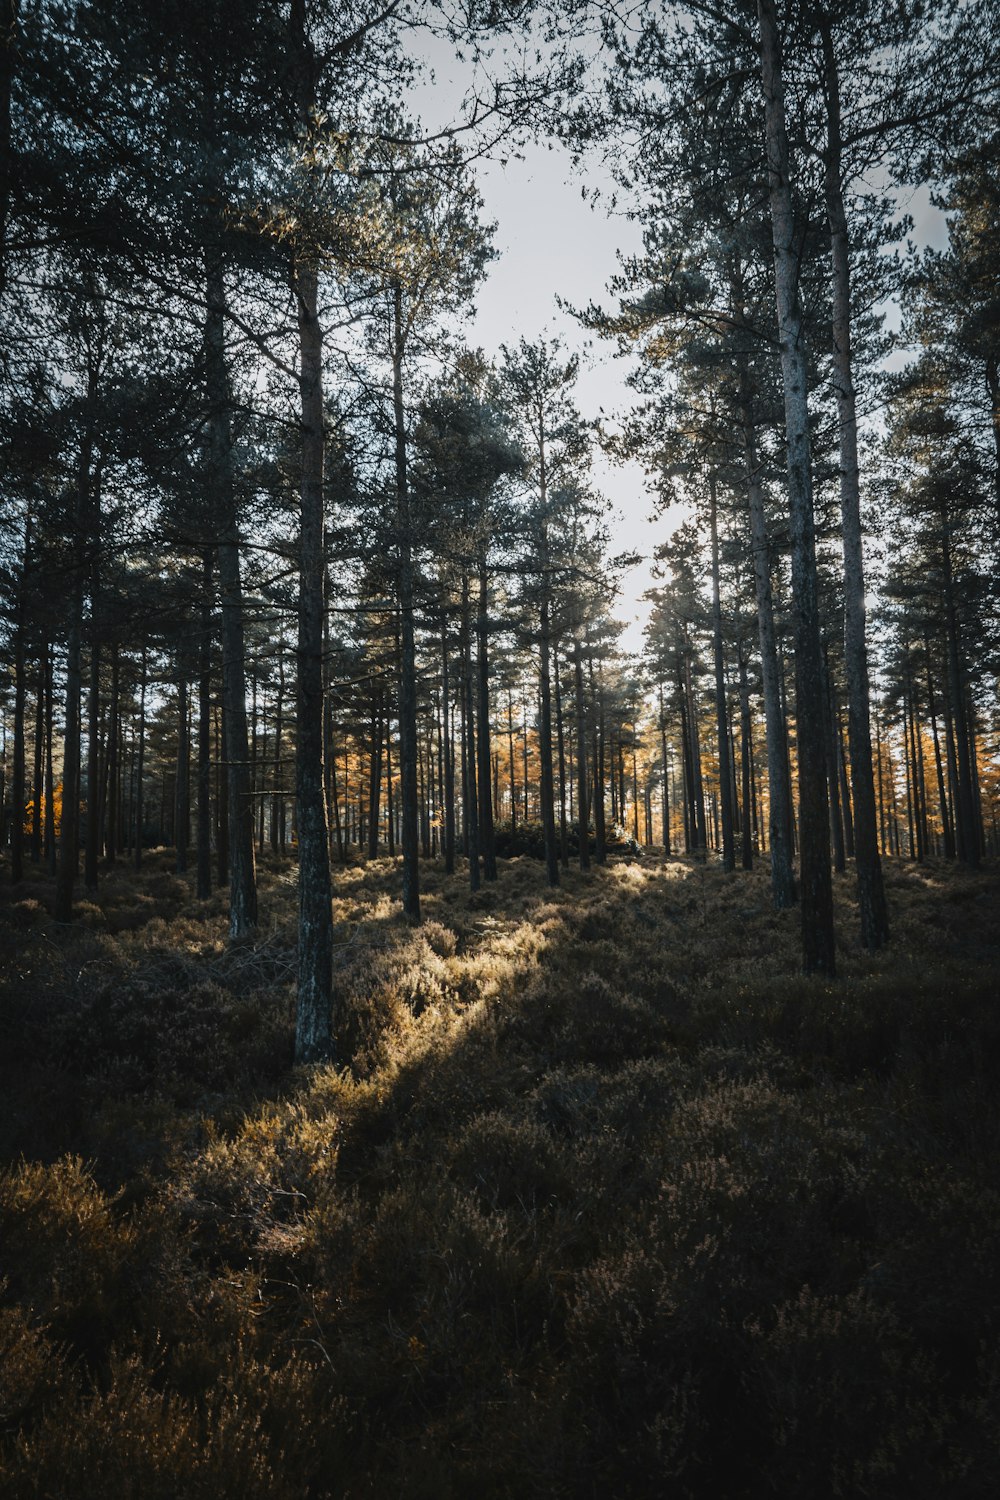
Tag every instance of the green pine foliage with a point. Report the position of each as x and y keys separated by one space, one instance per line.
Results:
x=610 y=1200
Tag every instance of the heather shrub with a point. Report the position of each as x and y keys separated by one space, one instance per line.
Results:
x=600 y=1197
x=133 y=1440
x=67 y=1254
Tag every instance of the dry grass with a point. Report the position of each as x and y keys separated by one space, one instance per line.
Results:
x=604 y=1198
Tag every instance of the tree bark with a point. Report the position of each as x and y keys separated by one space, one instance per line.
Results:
x=818 y=953
x=487 y=841
x=469 y=794
x=746 y=763
x=783 y=892
x=583 y=810
x=410 y=830
x=721 y=717
x=69 y=843
x=546 y=779
x=947 y=827
x=965 y=821
x=449 y=753
x=314 y=1014
x=17 y=799
x=871 y=886
x=50 y=782
x=204 y=794
x=236 y=769
x=182 y=785
x=561 y=756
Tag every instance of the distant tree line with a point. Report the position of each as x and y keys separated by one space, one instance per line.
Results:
x=286 y=565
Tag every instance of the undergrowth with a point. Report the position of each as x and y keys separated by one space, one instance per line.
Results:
x=603 y=1198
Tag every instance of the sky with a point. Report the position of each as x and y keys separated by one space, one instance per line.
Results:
x=553 y=242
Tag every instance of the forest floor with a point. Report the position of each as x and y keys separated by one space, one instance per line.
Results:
x=606 y=1200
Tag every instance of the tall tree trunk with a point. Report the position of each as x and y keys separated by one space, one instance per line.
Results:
x=449 y=753
x=314 y=1014
x=561 y=754
x=17 y=797
x=69 y=850
x=182 y=785
x=203 y=837
x=510 y=757
x=140 y=765
x=833 y=781
x=390 y=813
x=818 y=953
x=947 y=827
x=665 y=794
x=968 y=843
x=50 y=781
x=746 y=763
x=721 y=717
x=92 y=845
x=583 y=810
x=699 y=823
x=111 y=798
x=375 y=781
x=487 y=841
x=278 y=787
x=871 y=887
x=783 y=893
x=469 y=795
x=546 y=779
x=36 y=776
x=408 y=658
x=600 y=829
x=236 y=770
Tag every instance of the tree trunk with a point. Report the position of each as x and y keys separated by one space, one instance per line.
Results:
x=449 y=754
x=236 y=769
x=69 y=849
x=50 y=781
x=583 y=810
x=871 y=887
x=36 y=775
x=510 y=757
x=314 y=1014
x=561 y=756
x=833 y=781
x=408 y=660
x=375 y=781
x=17 y=798
x=783 y=892
x=818 y=952
x=469 y=796
x=968 y=843
x=547 y=787
x=140 y=763
x=111 y=795
x=182 y=785
x=746 y=763
x=203 y=837
x=487 y=842
x=947 y=827
x=600 y=832
x=92 y=845
x=721 y=717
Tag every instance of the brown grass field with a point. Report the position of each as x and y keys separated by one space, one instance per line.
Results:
x=604 y=1199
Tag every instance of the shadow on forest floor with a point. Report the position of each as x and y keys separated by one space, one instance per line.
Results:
x=610 y=1200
